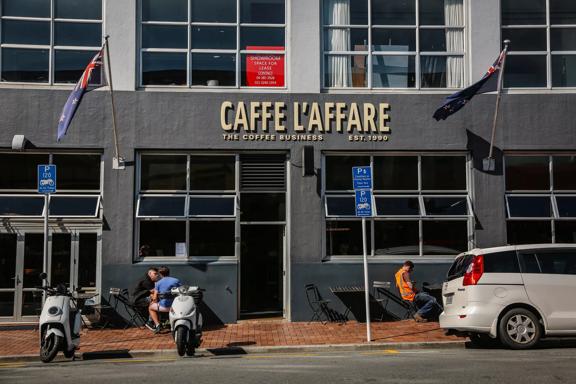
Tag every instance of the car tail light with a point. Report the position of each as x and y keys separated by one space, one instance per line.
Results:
x=474 y=271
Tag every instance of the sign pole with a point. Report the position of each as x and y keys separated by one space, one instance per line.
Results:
x=45 y=254
x=366 y=285
x=46 y=186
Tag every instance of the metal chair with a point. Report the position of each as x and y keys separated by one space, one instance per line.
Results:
x=100 y=309
x=133 y=310
x=318 y=305
x=381 y=296
x=410 y=306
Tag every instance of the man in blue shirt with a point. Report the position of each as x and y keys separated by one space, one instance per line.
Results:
x=160 y=301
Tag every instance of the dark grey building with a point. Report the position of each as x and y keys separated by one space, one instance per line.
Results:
x=239 y=122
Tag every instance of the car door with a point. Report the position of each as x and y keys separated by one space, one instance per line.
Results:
x=550 y=281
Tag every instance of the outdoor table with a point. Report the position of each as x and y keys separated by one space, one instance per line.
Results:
x=352 y=296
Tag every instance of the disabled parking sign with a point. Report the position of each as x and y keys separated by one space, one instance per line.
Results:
x=47 y=178
x=363 y=202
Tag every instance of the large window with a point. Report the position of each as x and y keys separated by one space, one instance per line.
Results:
x=541 y=199
x=422 y=205
x=393 y=43
x=543 y=43
x=78 y=185
x=216 y=43
x=48 y=41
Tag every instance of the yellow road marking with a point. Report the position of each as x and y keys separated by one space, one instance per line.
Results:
x=384 y=352
x=12 y=365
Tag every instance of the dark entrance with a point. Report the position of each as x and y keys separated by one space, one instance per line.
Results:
x=261 y=283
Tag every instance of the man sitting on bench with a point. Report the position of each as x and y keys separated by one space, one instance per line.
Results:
x=161 y=299
x=428 y=307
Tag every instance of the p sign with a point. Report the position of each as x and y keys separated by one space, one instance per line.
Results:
x=362 y=177
x=47 y=179
x=363 y=202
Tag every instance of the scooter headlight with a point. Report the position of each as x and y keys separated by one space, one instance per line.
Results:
x=53 y=311
x=183 y=289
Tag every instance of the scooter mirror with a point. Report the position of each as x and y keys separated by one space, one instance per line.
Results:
x=43 y=275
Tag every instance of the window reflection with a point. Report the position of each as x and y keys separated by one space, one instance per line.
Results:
x=25 y=65
x=163 y=68
x=160 y=238
x=25 y=32
x=214 y=11
x=69 y=67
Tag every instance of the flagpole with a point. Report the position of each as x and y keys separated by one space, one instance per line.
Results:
x=489 y=163
x=117 y=161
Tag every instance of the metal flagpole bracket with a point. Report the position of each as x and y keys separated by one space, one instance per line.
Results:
x=118 y=163
x=489 y=164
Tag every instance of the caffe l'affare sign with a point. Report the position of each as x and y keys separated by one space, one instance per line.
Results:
x=310 y=121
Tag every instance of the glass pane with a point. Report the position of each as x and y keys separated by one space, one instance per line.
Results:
x=439 y=206
x=212 y=173
x=263 y=207
x=340 y=206
x=78 y=9
x=164 y=36
x=557 y=263
x=163 y=172
x=525 y=39
x=162 y=206
x=501 y=262
x=394 y=40
x=61 y=259
x=345 y=238
x=346 y=71
x=20 y=171
x=444 y=237
x=433 y=70
x=7 y=261
x=31 y=303
x=396 y=12
x=25 y=65
x=526 y=12
x=339 y=171
x=211 y=206
x=77 y=171
x=25 y=32
x=530 y=263
x=256 y=38
x=564 y=70
x=164 y=10
x=213 y=37
x=393 y=71
x=397 y=206
x=564 y=171
x=396 y=238
x=262 y=11
x=73 y=206
x=159 y=238
x=263 y=70
x=444 y=172
x=163 y=68
x=563 y=39
x=33 y=259
x=530 y=206
x=529 y=232
x=335 y=12
x=432 y=11
x=212 y=238
x=565 y=231
x=214 y=11
x=87 y=261
x=21 y=206
x=213 y=70
x=562 y=12
x=78 y=34
x=396 y=172
x=346 y=39
x=6 y=304
x=69 y=67
x=566 y=206
x=27 y=8
x=525 y=71
x=433 y=40
x=527 y=173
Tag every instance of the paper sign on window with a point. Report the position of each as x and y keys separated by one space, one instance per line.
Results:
x=181 y=249
x=264 y=69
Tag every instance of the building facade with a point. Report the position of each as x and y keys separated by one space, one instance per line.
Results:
x=239 y=122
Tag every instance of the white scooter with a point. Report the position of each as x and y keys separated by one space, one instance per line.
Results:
x=60 y=323
x=186 y=319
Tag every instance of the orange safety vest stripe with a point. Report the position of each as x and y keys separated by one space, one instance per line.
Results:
x=405 y=290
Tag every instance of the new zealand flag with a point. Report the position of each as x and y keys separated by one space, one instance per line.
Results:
x=488 y=83
x=77 y=93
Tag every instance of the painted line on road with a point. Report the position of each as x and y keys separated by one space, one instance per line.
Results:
x=384 y=352
x=11 y=365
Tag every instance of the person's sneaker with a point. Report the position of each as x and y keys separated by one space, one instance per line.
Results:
x=419 y=319
x=150 y=325
x=157 y=329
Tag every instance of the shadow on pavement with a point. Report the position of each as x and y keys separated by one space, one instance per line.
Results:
x=110 y=354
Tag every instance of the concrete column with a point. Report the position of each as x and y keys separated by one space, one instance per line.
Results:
x=303 y=46
x=120 y=24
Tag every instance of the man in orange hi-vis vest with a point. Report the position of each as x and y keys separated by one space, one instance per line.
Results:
x=428 y=307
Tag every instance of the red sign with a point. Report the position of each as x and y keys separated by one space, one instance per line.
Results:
x=265 y=69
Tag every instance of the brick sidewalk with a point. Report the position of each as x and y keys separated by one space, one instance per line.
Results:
x=243 y=334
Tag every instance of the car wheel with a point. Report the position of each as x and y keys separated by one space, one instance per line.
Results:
x=519 y=328
x=482 y=340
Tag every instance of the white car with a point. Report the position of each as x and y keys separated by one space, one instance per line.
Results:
x=516 y=294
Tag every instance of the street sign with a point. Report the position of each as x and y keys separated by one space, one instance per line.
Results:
x=362 y=177
x=363 y=202
x=46 y=179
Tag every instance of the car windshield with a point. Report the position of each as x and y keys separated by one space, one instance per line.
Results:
x=458 y=268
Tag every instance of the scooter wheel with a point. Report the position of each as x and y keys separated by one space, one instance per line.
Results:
x=180 y=338
x=50 y=347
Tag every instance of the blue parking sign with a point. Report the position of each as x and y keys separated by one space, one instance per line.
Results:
x=363 y=202
x=362 y=177
x=46 y=178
